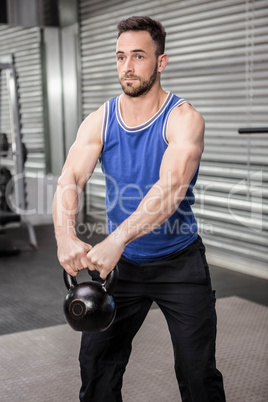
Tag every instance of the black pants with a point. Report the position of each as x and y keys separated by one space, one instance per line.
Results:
x=180 y=285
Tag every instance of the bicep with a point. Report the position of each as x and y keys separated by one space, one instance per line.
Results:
x=186 y=143
x=81 y=162
x=84 y=153
x=179 y=164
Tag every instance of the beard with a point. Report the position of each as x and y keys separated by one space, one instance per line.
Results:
x=143 y=88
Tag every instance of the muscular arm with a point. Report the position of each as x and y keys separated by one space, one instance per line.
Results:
x=79 y=166
x=179 y=164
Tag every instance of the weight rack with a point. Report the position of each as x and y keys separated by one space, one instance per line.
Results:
x=18 y=152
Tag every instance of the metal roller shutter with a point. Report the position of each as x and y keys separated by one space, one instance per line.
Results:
x=218 y=60
x=24 y=43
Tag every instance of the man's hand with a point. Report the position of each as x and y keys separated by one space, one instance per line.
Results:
x=105 y=255
x=72 y=254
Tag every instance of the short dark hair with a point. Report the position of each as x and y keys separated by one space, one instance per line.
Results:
x=155 y=29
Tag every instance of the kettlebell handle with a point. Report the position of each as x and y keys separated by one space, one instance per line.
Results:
x=109 y=284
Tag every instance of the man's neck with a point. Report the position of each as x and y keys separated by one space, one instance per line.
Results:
x=137 y=110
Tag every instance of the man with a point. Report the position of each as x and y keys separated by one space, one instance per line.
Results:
x=150 y=144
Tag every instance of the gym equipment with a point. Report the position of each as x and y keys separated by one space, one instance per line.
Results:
x=4 y=145
x=15 y=153
x=255 y=130
x=5 y=177
x=7 y=248
x=90 y=306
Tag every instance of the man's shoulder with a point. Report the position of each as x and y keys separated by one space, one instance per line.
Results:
x=91 y=126
x=186 y=123
x=187 y=110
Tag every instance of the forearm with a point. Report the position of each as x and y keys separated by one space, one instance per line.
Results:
x=72 y=252
x=157 y=206
x=66 y=205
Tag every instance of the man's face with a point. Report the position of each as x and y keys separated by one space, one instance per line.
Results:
x=136 y=62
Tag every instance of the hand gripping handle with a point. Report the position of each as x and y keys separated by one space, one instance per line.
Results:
x=109 y=284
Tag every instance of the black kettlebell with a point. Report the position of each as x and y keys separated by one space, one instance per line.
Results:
x=90 y=306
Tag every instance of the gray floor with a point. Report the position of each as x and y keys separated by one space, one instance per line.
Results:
x=39 y=351
x=41 y=365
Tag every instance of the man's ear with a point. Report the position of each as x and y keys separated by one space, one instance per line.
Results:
x=162 y=62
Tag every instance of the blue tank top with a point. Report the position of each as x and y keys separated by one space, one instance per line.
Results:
x=130 y=161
